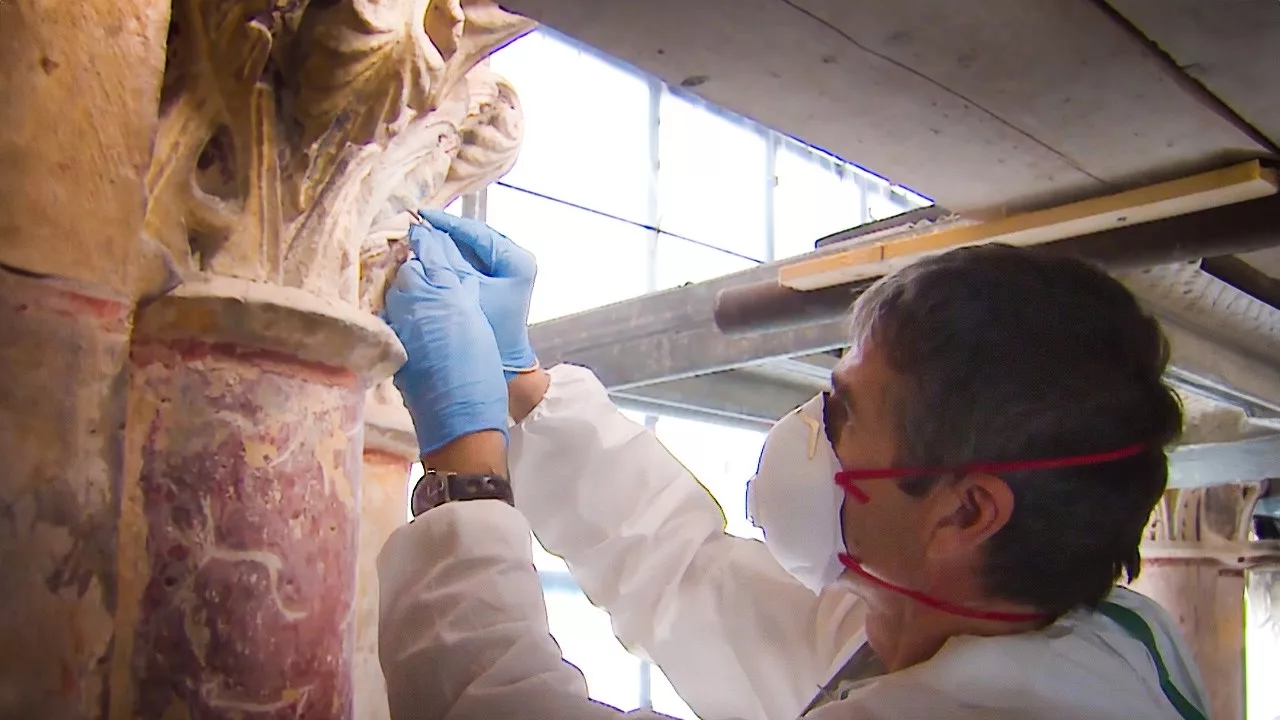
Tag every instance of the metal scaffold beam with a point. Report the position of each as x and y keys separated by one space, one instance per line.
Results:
x=663 y=353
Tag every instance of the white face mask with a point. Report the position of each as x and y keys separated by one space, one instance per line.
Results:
x=793 y=497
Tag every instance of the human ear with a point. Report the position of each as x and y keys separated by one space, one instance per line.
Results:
x=968 y=511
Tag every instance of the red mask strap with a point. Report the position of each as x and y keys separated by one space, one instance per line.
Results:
x=846 y=478
x=935 y=603
x=853 y=491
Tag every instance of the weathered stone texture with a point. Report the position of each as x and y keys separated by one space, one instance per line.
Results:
x=252 y=518
x=383 y=508
x=63 y=350
x=79 y=86
x=1195 y=553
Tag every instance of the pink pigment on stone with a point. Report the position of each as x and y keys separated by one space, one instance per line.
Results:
x=250 y=539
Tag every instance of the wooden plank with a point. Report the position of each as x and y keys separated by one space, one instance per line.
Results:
x=1234 y=184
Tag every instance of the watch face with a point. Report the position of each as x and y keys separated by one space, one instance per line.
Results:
x=436 y=488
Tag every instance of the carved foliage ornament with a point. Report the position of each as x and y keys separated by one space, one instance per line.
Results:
x=1220 y=516
x=288 y=127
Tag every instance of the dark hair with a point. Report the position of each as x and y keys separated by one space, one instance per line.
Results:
x=1001 y=353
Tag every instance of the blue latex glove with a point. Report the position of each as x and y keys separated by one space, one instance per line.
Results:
x=452 y=382
x=506 y=272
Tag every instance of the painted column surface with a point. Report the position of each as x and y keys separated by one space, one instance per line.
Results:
x=79 y=86
x=383 y=509
x=249 y=483
x=63 y=352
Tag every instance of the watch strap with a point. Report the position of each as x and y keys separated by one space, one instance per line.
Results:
x=436 y=488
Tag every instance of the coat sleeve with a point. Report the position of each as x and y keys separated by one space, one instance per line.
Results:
x=462 y=627
x=734 y=633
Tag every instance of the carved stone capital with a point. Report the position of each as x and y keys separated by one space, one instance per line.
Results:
x=1211 y=524
x=287 y=128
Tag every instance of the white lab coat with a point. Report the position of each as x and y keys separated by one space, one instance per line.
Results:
x=463 y=630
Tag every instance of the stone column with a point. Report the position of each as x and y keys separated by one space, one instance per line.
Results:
x=1194 y=562
x=390 y=449
x=247 y=402
x=182 y=494
x=247 y=405
x=62 y=404
x=79 y=84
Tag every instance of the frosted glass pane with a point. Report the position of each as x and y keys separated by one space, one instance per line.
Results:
x=889 y=201
x=816 y=195
x=586 y=126
x=712 y=178
x=633 y=416
x=722 y=458
x=586 y=639
x=545 y=561
x=415 y=474
x=1262 y=644
x=584 y=260
x=666 y=700
x=680 y=261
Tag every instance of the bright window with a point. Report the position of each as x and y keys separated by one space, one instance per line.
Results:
x=816 y=195
x=666 y=700
x=586 y=639
x=722 y=458
x=1262 y=644
x=586 y=126
x=711 y=177
x=889 y=200
x=584 y=260
x=679 y=262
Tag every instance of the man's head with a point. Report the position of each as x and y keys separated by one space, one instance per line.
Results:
x=999 y=354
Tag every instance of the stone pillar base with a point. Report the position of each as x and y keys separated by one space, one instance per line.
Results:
x=62 y=404
x=248 y=488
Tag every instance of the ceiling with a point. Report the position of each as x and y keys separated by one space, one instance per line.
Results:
x=989 y=105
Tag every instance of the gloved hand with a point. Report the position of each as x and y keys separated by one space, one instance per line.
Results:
x=452 y=382
x=506 y=272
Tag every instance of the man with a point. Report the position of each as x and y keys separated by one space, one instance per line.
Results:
x=998 y=430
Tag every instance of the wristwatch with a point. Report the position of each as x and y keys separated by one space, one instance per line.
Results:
x=437 y=488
